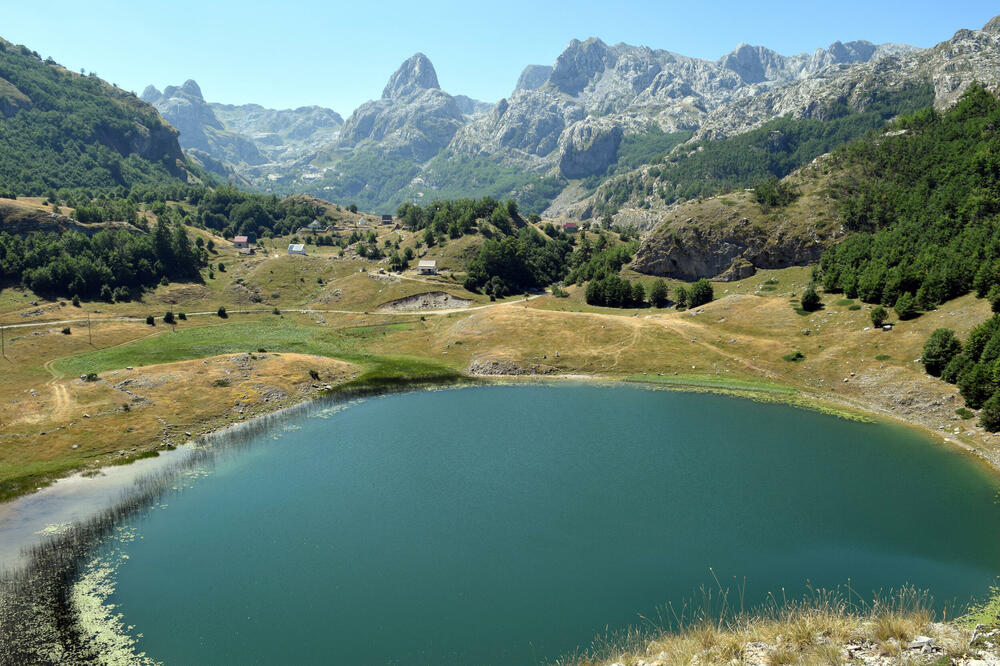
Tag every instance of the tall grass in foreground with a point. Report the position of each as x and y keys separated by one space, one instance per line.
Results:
x=717 y=628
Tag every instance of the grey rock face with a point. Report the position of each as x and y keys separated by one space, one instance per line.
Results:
x=418 y=125
x=414 y=75
x=951 y=66
x=579 y=63
x=588 y=148
x=533 y=77
x=470 y=106
x=688 y=250
x=282 y=136
x=993 y=25
x=185 y=108
x=150 y=94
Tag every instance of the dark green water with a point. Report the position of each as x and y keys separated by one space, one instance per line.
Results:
x=509 y=525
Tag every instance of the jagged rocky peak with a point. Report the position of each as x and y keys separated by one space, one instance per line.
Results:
x=192 y=88
x=414 y=75
x=533 y=77
x=150 y=94
x=993 y=25
x=753 y=63
x=579 y=64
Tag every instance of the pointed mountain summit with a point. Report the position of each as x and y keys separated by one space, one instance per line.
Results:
x=414 y=75
x=993 y=25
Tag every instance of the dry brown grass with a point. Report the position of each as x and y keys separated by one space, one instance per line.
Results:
x=814 y=630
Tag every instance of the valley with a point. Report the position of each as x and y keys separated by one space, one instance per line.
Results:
x=755 y=233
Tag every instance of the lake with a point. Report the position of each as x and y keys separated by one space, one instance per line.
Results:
x=512 y=524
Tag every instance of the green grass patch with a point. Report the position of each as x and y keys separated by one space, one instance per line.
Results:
x=769 y=287
x=712 y=383
x=387 y=372
x=856 y=306
x=965 y=413
x=204 y=341
x=883 y=357
x=794 y=357
x=845 y=301
x=372 y=331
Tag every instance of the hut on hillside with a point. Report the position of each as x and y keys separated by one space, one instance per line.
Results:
x=296 y=248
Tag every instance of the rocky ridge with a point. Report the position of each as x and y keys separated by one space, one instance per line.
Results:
x=567 y=120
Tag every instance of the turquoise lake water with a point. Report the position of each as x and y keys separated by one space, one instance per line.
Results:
x=511 y=524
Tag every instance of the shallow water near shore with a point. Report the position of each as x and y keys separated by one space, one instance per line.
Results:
x=512 y=524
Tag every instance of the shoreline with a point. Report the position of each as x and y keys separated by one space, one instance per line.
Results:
x=38 y=591
x=88 y=480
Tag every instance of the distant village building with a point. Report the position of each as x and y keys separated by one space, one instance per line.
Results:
x=387 y=219
x=314 y=226
x=241 y=242
x=571 y=227
x=296 y=248
x=427 y=267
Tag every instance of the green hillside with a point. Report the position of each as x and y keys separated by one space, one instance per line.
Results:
x=63 y=129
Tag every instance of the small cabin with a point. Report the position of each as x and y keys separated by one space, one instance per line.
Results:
x=427 y=267
x=241 y=242
x=571 y=227
x=296 y=248
x=314 y=226
x=387 y=219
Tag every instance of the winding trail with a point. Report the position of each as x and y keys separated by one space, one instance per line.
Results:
x=213 y=313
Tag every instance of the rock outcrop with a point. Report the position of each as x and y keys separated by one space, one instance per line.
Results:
x=690 y=250
x=588 y=148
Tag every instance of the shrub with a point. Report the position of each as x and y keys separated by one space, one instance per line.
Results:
x=794 y=357
x=182 y=316
x=701 y=293
x=76 y=301
x=150 y=321
x=221 y=382
x=222 y=312
x=659 y=295
x=810 y=299
x=966 y=414
x=681 y=297
x=276 y=311
x=168 y=317
x=90 y=377
x=222 y=267
x=65 y=331
x=883 y=357
x=856 y=306
x=941 y=347
x=314 y=375
x=879 y=315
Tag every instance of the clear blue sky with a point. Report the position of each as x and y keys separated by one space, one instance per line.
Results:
x=336 y=54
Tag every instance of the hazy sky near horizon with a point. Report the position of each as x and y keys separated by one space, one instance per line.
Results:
x=339 y=54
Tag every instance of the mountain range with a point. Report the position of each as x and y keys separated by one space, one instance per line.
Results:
x=561 y=131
